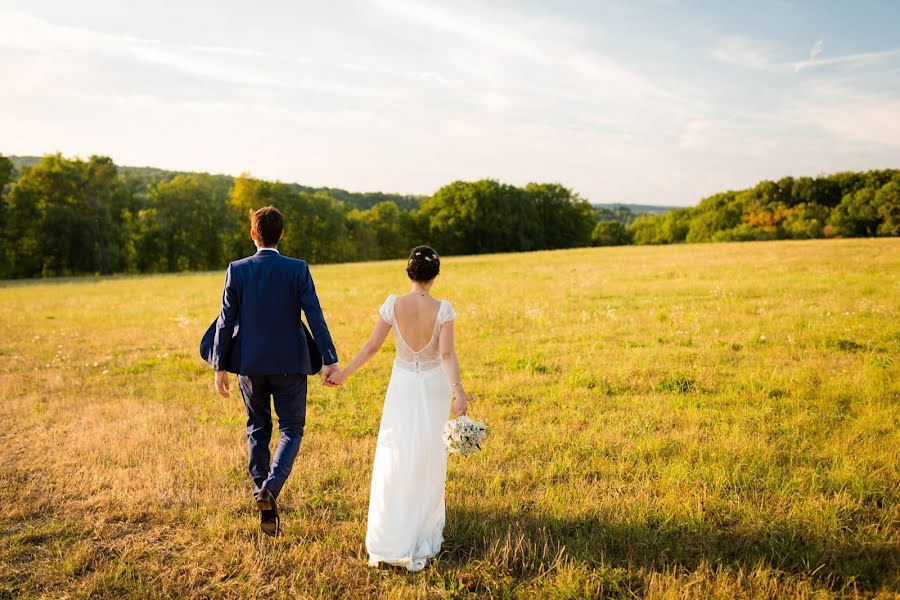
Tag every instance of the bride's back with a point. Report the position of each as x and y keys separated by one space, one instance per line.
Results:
x=416 y=317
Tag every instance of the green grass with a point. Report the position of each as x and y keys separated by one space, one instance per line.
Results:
x=686 y=421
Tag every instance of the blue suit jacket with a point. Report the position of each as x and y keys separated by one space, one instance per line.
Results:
x=266 y=293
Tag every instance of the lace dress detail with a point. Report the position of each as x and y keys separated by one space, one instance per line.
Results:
x=426 y=358
x=409 y=472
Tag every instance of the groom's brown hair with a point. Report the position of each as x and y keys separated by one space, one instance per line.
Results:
x=268 y=223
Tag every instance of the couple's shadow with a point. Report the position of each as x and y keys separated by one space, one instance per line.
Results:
x=527 y=544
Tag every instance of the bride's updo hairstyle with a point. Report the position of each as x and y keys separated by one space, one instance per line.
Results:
x=424 y=264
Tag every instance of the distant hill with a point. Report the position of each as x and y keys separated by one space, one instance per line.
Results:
x=142 y=179
x=627 y=213
x=639 y=209
x=23 y=161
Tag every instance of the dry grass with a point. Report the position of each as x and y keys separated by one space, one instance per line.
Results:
x=691 y=421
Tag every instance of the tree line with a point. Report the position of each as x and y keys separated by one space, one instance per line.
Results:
x=840 y=205
x=62 y=216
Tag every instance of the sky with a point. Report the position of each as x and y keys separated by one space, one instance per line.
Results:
x=655 y=102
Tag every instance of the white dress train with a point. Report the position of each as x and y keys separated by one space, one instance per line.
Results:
x=406 y=500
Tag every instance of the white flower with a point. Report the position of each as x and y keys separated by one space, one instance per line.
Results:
x=463 y=435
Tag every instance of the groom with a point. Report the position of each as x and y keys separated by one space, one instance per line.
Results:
x=264 y=295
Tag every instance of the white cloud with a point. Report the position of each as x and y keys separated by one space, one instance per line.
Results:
x=849 y=115
x=816 y=49
x=544 y=43
x=743 y=52
x=857 y=59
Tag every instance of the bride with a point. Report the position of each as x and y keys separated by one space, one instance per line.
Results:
x=406 y=500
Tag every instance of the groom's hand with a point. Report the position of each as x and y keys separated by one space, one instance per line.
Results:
x=222 y=384
x=327 y=372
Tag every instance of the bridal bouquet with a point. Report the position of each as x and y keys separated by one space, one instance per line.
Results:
x=463 y=435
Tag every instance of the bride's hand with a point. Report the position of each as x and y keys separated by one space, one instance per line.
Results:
x=460 y=403
x=338 y=378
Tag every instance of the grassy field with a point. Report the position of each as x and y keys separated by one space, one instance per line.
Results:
x=686 y=421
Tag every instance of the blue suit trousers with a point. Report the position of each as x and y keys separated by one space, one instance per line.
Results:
x=288 y=394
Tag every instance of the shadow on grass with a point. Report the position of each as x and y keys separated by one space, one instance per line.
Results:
x=526 y=544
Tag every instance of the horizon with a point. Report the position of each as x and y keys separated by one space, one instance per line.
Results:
x=659 y=104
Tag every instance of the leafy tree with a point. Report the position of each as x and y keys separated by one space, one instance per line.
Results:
x=191 y=213
x=417 y=229
x=566 y=220
x=388 y=231
x=482 y=216
x=147 y=250
x=316 y=228
x=246 y=195
x=856 y=215
x=6 y=173
x=714 y=214
x=821 y=190
x=362 y=239
x=646 y=230
x=806 y=221
x=887 y=201
x=847 y=183
x=610 y=233
x=769 y=194
x=675 y=226
x=7 y=170
x=315 y=225
x=110 y=202
x=65 y=217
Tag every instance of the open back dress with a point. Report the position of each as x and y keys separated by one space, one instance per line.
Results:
x=406 y=501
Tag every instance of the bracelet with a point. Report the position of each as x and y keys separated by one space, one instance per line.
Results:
x=457 y=384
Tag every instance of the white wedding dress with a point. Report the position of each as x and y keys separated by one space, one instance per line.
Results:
x=406 y=501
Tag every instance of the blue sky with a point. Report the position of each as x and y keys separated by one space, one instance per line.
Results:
x=659 y=102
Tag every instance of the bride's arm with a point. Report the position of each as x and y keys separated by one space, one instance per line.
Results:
x=369 y=349
x=451 y=367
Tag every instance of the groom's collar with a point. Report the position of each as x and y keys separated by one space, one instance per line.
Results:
x=275 y=250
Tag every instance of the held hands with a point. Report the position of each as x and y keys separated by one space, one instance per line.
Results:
x=332 y=376
x=339 y=377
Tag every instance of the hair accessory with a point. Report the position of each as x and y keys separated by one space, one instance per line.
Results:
x=418 y=254
x=428 y=258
